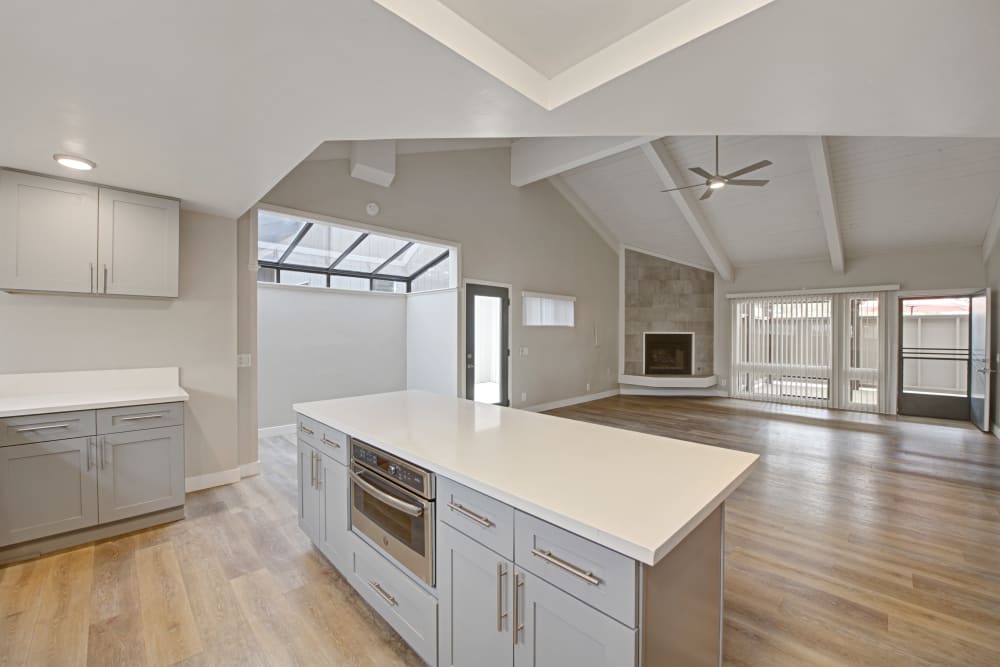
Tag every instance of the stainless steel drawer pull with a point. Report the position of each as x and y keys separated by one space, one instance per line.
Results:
x=385 y=596
x=25 y=429
x=518 y=625
x=133 y=418
x=306 y=429
x=501 y=614
x=569 y=567
x=391 y=501
x=330 y=442
x=469 y=514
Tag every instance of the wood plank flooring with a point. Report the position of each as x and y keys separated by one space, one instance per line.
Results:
x=858 y=540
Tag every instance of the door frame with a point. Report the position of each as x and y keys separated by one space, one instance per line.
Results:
x=464 y=335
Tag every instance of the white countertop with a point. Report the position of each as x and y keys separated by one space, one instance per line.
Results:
x=42 y=393
x=637 y=494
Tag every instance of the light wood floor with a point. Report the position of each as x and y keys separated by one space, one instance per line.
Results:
x=858 y=540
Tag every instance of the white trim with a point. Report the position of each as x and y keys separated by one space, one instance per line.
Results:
x=575 y=400
x=995 y=430
x=250 y=469
x=823 y=290
x=322 y=289
x=670 y=381
x=271 y=431
x=991 y=234
x=621 y=309
x=675 y=260
x=632 y=390
x=544 y=295
x=221 y=478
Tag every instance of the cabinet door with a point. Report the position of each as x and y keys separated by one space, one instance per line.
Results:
x=139 y=244
x=474 y=593
x=47 y=488
x=140 y=472
x=48 y=234
x=334 y=512
x=309 y=497
x=560 y=630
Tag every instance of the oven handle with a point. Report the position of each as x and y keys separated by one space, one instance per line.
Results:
x=392 y=501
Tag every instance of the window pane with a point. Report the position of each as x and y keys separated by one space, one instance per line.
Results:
x=299 y=278
x=322 y=245
x=274 y=233
x=349 y=282
x=415 y=258
x=436 y=277
x=540 y=311
x=372 y=252
x=388 y=286
x=265 y=275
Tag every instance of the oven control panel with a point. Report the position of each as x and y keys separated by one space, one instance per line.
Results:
x=405 y=474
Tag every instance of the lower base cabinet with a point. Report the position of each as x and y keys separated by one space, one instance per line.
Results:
x=324 y=504
x=140 y=472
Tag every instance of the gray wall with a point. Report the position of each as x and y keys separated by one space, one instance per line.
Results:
x=196 y=332
x=661 y=295
x=529 y=237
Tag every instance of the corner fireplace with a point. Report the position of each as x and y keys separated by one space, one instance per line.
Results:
x=668 y=353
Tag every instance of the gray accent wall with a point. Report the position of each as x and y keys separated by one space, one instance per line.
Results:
x=665 y=296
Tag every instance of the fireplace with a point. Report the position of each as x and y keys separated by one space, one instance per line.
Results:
x=668 y=353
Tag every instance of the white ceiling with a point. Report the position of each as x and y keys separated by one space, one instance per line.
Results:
x=214 y=102
x=890 y=193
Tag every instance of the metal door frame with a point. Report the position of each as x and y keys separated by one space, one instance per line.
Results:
x=472 y=289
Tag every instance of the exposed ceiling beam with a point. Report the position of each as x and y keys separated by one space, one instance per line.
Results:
x=991 y=234
x=820 y=158
x=672 y=177
x=534 y=159
x=374 y=161
x=569 y=194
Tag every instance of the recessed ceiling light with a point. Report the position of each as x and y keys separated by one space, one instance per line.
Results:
x=74 y=162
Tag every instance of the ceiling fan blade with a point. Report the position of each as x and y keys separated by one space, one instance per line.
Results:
x=699 y=185
x=708 y=193
x=746 y=170
x=756 y=182
x=701 y=172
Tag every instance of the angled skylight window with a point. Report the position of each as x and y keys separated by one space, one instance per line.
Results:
x=322 y=245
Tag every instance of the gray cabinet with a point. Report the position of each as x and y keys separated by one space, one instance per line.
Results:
x=309 y=496
x=47 y=488
x=556 y=629
x=334 y=519
x=140 y=472
x=474 y=586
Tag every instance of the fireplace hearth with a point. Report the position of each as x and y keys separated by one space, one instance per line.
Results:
x=668 y=353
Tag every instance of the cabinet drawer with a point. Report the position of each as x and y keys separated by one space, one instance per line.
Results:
x=484 y=519
x=597 y=575
x=139 y=417
x=408 y=608
x=44 y=428
x=328 y=440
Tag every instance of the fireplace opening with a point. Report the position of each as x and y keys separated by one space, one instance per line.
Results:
x=668 y=353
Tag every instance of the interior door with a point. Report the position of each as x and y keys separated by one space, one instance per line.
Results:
x=979 y=354
x=487 y=348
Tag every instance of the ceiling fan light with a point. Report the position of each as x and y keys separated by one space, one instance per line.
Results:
x=716 y=183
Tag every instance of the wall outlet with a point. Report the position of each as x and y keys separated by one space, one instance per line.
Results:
x=244 y=360
x=524 y=396
x=723 y=381
x=588 y=387
x=523 y=350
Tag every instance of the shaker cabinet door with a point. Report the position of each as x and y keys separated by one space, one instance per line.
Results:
x=140 y=472
x=139 y=244
x=560 y=630
x=474 y=594
x=47 y=488
x=334 y=515
x=309 y=496
x=48 y=234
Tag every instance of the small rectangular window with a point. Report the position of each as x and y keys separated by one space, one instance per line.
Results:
x=301 y=278
x=379 y=285
x=548 y=310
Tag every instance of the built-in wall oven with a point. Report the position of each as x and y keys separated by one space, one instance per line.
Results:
x=392 y=504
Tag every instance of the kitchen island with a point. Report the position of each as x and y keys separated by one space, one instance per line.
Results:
x=554 y=541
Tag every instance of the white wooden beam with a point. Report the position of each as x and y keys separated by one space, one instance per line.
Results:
x=569 y=194
x=374 y=161
x=991 y=234
x=534 y=159
x=820 y=158
x=672 y=177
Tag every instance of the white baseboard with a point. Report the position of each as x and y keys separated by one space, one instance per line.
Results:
x=627 y=390
x=996 y=430
x=199 y=482
x=270 y=431
x=586 y=398
x=250 y=469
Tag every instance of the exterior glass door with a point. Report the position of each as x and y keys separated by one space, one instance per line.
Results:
x=487 y=349
x=979 y=344
x=934 y=356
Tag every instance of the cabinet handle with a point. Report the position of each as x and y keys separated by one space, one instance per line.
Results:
x=469 y=514
x=319 y=471
x=385 y=596
x=138 y=417
x=41 y=428
x=104 y=452
x=91 y=277
x=518 y=625
x=312 y=469
x=569 y=567
x=330 y=442
x=91 y=445
x=306 y=429
x=501 y=614
x=105 y=278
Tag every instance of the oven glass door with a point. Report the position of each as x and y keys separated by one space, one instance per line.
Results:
x=402 y=515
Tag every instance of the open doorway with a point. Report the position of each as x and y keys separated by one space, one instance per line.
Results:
x=487 y=347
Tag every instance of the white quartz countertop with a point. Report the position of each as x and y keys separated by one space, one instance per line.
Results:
x=42 y=393
x=636 y=494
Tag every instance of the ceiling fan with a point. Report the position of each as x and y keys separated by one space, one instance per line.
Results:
x=718 y=181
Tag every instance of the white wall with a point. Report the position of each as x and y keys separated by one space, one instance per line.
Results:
x=529 y=237
x=196 y=332
x=314 y=344
x=432 y=341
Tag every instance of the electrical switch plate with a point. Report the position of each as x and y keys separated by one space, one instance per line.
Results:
x=244 y=360
x=524 y=396
x=523 y=351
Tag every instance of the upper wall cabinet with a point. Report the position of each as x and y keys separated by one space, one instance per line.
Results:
x=60 y=236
